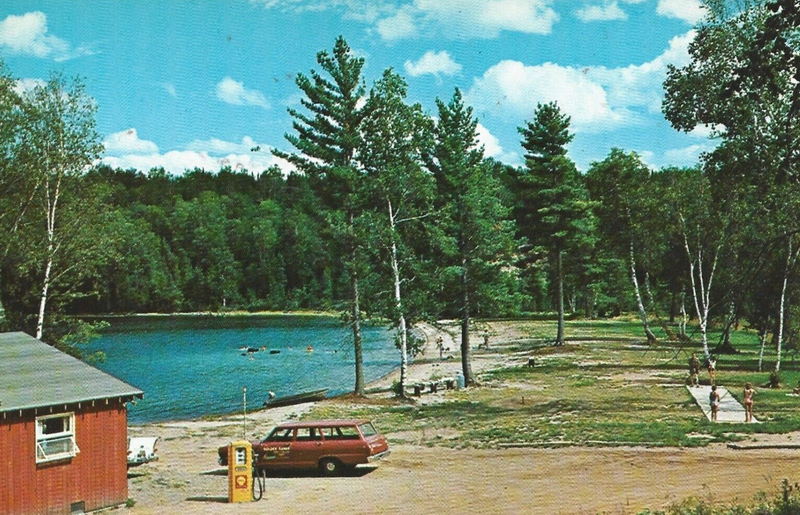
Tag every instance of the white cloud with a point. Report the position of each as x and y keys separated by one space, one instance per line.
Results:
x=606 y=12
x=178 y=161
x=435 y=18
x=492 y=147
x=128 y=151
x=511 y=88
x=690 y=11
x=26 y=34
x=433 y=63
x=596 y=98
x=22 y=86
x=233 y=92
x=128 y=142
x=400 y=25
x=486 y=18
x=218 y=146
x=686 y=156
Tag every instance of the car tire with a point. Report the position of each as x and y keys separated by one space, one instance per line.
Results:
x=330 y=467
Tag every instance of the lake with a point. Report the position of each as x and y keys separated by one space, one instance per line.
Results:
x=189 y=366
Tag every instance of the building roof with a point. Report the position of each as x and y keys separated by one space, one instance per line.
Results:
x=35 y=375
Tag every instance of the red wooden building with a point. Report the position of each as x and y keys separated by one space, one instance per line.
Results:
x=63 y=431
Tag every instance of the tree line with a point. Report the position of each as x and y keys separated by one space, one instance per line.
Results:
x=392 y=212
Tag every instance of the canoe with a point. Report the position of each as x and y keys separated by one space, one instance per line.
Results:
x=299 y=398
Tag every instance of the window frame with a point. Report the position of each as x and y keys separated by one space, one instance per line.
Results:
x=68 y=435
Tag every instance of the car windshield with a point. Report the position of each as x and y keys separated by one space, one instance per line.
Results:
x=367 y=429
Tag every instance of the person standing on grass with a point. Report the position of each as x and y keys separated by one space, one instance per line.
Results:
x=694 y=370
x=711 y=366
x=714 y=398
x=748 y=402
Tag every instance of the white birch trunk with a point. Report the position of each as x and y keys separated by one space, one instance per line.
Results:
x=642 y=312
x=51 y=201
x=684 y=315
x=763 y=338
x=786 y=270
x=701 y=292
x=398 y=304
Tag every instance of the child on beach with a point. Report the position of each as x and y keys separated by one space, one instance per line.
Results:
x=748 y=402
x=713 y=398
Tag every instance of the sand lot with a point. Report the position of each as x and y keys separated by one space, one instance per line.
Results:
x=440 y=480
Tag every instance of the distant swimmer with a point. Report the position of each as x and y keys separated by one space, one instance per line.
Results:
x=309 y=349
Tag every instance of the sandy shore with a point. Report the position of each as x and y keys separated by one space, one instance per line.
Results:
x=421 y=479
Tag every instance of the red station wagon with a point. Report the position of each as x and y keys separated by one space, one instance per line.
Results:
x=330 y=445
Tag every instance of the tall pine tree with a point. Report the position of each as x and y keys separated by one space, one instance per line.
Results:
x=327 y=140
x=476 y=237
x=553 y=211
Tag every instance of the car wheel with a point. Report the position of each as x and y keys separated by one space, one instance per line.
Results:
x=330 y=467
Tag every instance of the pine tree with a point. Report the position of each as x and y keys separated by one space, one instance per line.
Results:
x=327 y=140
x=553 y=211
x=476 y=237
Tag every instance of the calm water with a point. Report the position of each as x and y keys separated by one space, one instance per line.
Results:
x=192 y=366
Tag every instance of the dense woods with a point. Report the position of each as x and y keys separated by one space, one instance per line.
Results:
x=396 y=213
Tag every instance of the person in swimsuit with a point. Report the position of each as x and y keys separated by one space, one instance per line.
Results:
x=748 y=402
x=711 y=365
x=713 y=397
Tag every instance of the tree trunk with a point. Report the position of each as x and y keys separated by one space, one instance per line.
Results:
x=684 y=315
x=465 y=313
x=356 y=314
x=43 y=300
x=651 y=338
x=399 y=306
x=763 y=338
x=560 y=299
x=782 y=308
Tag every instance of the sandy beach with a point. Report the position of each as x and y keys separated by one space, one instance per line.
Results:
x=417 y=478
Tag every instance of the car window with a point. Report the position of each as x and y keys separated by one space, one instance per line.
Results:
x=279 y=435
x=308 y=433
x=346 y=433
x=367 y=429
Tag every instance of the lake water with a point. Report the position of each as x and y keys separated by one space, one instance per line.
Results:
x=192 y=366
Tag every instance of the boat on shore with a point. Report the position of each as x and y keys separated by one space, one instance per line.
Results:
x=299 y=398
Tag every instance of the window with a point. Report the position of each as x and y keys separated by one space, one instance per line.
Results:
x=308 y=433
x=347 y=433
x=55 y=437
x=280 y=435
x=367 y=429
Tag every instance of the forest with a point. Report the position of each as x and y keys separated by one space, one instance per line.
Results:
x=394 y=213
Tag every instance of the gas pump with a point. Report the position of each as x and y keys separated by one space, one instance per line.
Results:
x=240 y=471
x=241 y=486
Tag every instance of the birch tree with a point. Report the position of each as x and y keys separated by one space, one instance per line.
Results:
x=61 y=143
x=399 y=194
x=618 y=185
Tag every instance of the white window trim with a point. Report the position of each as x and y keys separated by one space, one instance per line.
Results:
x=41 y=455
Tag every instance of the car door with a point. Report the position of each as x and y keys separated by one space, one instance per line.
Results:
x=307 y=447
x=275 y=451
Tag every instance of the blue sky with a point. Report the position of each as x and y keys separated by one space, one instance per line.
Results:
x=199 y=83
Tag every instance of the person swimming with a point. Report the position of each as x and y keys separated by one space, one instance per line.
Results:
x=309 y=349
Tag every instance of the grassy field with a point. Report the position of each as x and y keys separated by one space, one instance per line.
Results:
x=604 y=387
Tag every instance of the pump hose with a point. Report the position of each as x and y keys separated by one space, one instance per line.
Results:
x=259 y=479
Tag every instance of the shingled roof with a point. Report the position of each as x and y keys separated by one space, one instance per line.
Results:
x=36 y=375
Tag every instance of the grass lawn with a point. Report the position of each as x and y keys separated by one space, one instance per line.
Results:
x=604 y=387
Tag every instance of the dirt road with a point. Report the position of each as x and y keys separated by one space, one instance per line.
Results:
x=439 y=480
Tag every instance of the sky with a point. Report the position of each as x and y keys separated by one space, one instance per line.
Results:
x=199 y=83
